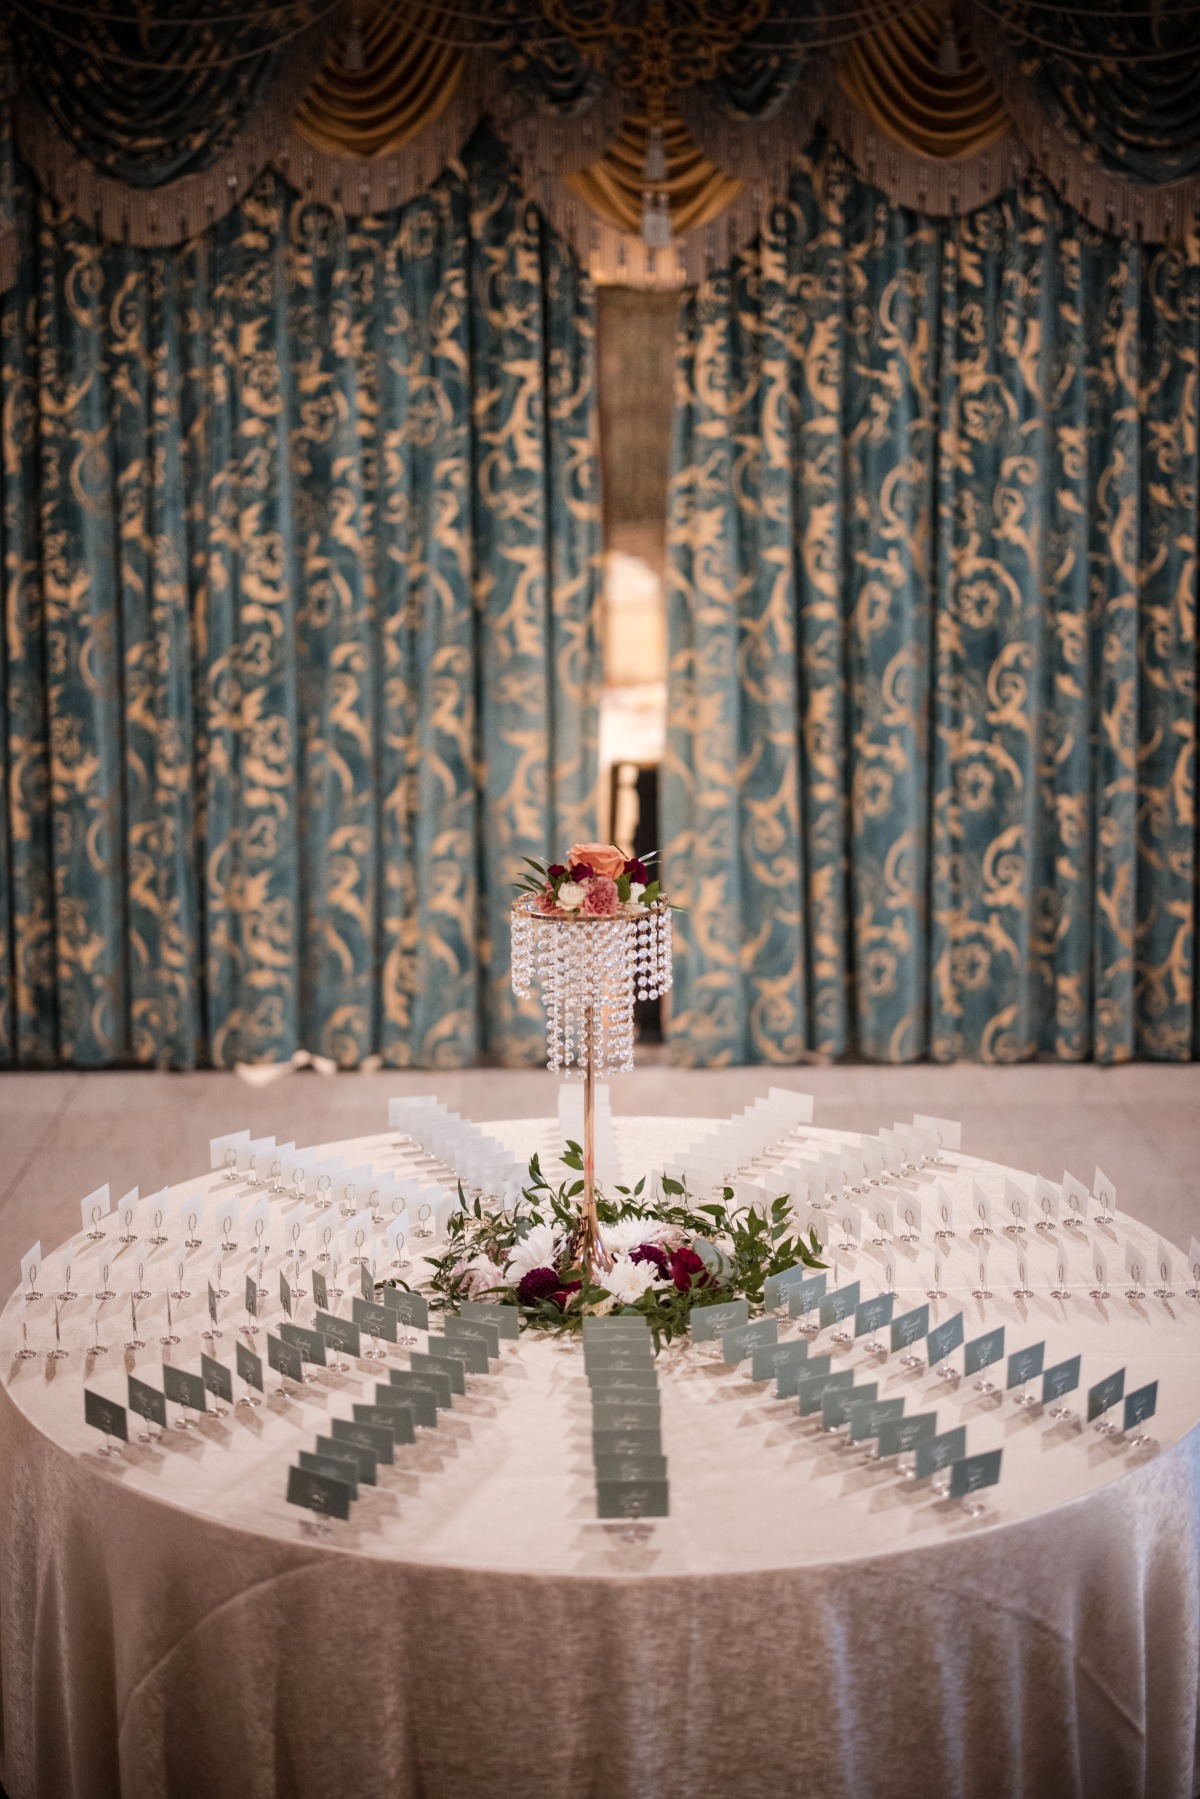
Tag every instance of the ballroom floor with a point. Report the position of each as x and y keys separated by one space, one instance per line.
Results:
x=63 y=1134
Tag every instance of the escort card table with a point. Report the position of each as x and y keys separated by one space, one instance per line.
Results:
x=803 y=1622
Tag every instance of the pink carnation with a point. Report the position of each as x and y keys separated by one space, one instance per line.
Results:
x=600 y=900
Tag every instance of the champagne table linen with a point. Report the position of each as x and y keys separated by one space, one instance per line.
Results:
x=801 y=1624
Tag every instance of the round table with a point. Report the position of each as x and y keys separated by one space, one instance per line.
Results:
x=803 y=1622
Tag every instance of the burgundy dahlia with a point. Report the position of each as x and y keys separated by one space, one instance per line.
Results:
x=555 y=869
x=687 y=1269
x=651 y=1252
x=539 y=1283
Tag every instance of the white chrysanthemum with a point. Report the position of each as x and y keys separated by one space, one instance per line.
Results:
x=535 y=1250
x=627 y=1233
x=627 y=1280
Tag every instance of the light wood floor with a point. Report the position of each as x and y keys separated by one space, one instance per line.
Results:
x=63 y=1134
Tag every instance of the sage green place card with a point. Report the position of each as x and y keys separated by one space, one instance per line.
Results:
x=375 y=1437
x=806 y=1295
x=454 y=1328
x=107 y=1415
x=428 y=1379
x=626 y=1442
x=182 y=1388
x=472 y=1352
x=789 y=1375
x=613 y=1324
x=604 y=1379
x=615 y=1413
x=910 y=1327
x=1140 y=1405
x=366 y=1283
x=743 y=1339
x=618 y=1352
x=778 y=1288
x=872 y=1314
x=284 y=1358
x=507 y=1319
x=839 y=1304
x=642 y=1464
x=866 y=1418
x=251 y=1296
x=339 y=1333
x=310 y=1343
x=1025 y=1364
x=708 y=1322
x=363 y=1458
x=410 y=1308
x=147 y=1402
x=939 y=1451
x=285 y=1293
x=320 y=1287
x=339 y=1467
x=249 y=1366
x=1061 y=1379
x=320 y=1493
x=631 y=1499
x=971 y=1472
x=377 y=1321
x=1105 y=1394
x=419 y=1400
x=944 y=1339
x=216 y=1377
x=442 y=1362
x=898 y=1435
x=812 y=1390
x=398 y=1418
x=834 y=1405
x=769 y=1358
x=981 y=1352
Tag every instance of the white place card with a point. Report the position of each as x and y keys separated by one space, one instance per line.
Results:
x=1076 y=1199
x=948 y=1131
x=1104 y=1192
x=97 y=1205
x=31 y=1260
x=1016 y=1204
x=1138 y=1265
x=981 y=1209
x=1045 y=1202
x=217 y=1147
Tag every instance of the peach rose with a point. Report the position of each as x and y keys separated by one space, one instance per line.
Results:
x=603 y=858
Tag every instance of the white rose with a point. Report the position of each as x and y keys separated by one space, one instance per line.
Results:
x=484 y=1277
x=636 y=890
x=570 y=896
x=627 y=1280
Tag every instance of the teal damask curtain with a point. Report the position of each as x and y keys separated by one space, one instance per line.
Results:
x=931 y=762
x=300 y=552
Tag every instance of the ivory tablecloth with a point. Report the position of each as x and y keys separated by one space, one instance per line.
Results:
x=802 y=1624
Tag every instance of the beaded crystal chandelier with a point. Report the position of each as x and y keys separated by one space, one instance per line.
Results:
x=590 y=970
x=595 y=943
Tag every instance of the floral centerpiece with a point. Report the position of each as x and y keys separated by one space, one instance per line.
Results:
x=663 y=1259
x=597 y=880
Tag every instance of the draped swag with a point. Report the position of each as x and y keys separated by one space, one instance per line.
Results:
x=933 y=542
x=300 y=550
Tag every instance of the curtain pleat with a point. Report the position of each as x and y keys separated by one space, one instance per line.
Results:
x=280 y=509
x=971 y=833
